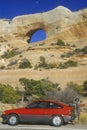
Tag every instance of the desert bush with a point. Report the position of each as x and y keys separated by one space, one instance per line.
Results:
x=12 y=63
x=38 y=88
x=36 y=67
x=10 y=54
x=68 y=54
x=63 y=56
x=52 y=65
x=60 y=43
x=77 y=88
x=69 y=63
x=67 y=95
x=84 y=50
x=77 y=51
x=73 y=45
x=8 y=94
x=46 y=65
x=25 y=64
x=45 y=89
x=43 y=63
x=85 y=86
x=52 y=44
x=20 y=56
x=2 y=67
x=62 y=66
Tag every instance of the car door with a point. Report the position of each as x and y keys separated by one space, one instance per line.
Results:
x=36 y=112
x=55 y=109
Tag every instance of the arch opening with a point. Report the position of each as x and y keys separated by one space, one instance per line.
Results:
x=38 y=35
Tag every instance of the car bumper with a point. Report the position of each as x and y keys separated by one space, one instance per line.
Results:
x=5 y=118
x=67 y=118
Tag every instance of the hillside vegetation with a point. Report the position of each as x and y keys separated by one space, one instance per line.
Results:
x=60 y=62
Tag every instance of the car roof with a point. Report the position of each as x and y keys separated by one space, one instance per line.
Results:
x=53 y=101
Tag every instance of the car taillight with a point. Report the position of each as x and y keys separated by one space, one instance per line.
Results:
x=70 y=112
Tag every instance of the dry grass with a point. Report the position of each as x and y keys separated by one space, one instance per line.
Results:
x=61 y=76
x=83 y=118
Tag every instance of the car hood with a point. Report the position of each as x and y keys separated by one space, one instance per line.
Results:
x=16 y=110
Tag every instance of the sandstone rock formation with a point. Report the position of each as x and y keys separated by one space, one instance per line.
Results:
x=59 y=23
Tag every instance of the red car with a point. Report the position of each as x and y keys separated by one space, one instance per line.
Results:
x=43 y=111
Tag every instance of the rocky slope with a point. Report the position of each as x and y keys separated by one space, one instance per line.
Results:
x=60 y=23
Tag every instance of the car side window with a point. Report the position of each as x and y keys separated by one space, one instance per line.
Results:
x=54 y=105
x=38 y=105
x=43 y=105
x=33 y=105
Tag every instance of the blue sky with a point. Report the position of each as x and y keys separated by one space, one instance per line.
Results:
x=11 y=8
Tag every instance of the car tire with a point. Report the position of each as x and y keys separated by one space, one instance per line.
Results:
x=13 y=119
x=57 y=120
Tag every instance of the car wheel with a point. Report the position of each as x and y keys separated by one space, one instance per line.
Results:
x=57 y=120
x=13 y=119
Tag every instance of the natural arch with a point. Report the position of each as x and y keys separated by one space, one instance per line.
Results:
x=36 y=35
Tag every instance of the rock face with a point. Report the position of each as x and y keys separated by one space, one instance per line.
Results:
x=59 y=23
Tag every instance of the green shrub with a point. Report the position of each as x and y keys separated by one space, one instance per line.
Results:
x=42 y=62
x=84 y=50
x=69 y=54
x=62 y=66
x=45 y=65
x=63 y=56
x=8 y=94
x=42 y=59
x=36 y=67
x=38 y=88
x=52 y=65
x=12 y=63
x=10 y=54
x=60 y=43
x=85 y=86
x=69 y=63
x=25 y=64
x=2 y=67
x=77 y=88
x=77 y=51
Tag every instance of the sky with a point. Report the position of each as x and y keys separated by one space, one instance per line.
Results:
x=12 y=8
